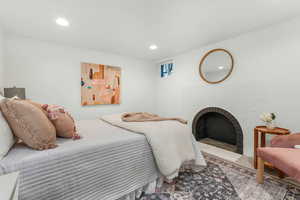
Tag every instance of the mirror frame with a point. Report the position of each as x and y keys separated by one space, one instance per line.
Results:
x=203 y=59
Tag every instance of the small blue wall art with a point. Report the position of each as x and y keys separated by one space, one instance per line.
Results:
x=166 y=69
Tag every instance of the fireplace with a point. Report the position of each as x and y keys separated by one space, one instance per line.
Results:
x=218 y=127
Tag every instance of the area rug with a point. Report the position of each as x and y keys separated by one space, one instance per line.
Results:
x=224 y=180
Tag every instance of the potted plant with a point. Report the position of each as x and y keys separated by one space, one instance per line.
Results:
x=268 y=118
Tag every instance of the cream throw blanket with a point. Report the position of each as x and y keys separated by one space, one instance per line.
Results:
x=172 y=143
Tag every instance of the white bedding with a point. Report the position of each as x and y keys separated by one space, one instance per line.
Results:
x=172 y=143
x=107 y=163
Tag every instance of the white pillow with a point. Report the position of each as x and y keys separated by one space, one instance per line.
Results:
x=7 y=139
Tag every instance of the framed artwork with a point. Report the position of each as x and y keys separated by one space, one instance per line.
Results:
x=100 y=84
x=166 y=69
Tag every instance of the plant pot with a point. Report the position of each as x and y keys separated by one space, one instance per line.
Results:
x=270 y=125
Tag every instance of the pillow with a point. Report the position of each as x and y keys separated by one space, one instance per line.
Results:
x=38 y=105
x=29 y=123
x=62 y=120
x=7 y=139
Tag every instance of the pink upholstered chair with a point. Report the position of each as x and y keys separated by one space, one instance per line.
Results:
x=282 y=155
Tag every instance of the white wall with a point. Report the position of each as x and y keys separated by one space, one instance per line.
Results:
x=51 y=74
x=1 y=58
x=266 y=78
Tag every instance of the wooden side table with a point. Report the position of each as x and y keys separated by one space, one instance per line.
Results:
x=260 y=132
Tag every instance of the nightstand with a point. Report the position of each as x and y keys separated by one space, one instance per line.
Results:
x=9 y=186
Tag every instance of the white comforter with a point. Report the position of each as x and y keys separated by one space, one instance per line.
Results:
x=172 y=143
x=106 y=164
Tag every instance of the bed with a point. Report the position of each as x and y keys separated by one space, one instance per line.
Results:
x=106 y=164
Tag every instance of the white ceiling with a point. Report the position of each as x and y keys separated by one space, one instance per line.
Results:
x=128 y=27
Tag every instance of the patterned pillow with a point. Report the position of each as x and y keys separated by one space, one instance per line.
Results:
x=62 y=120
x=29 y=124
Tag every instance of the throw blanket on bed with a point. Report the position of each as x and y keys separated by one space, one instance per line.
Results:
x=172 y=143
x=144 y=117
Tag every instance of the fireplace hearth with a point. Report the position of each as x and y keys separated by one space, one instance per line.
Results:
x=218 y=127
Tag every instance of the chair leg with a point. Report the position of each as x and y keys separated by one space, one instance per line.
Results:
x=281 y=174
x=260 y=171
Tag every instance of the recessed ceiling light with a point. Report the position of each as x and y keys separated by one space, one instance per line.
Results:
x=152 y=47
x=221 y=67
x=62 y=21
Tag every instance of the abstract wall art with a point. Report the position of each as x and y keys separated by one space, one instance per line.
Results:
x=100 y=84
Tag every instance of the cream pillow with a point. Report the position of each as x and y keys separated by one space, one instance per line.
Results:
x=7 y=139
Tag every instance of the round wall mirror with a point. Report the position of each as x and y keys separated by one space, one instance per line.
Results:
x=216 y=66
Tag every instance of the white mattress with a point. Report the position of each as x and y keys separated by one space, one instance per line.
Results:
x=107 y=163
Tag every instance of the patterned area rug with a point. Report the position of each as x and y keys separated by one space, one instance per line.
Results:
x=224 y=180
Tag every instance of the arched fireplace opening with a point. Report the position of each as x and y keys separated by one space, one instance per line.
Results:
x=218 y=127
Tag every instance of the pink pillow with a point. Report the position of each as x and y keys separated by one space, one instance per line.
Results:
x=62 y=120
x=29 y=123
